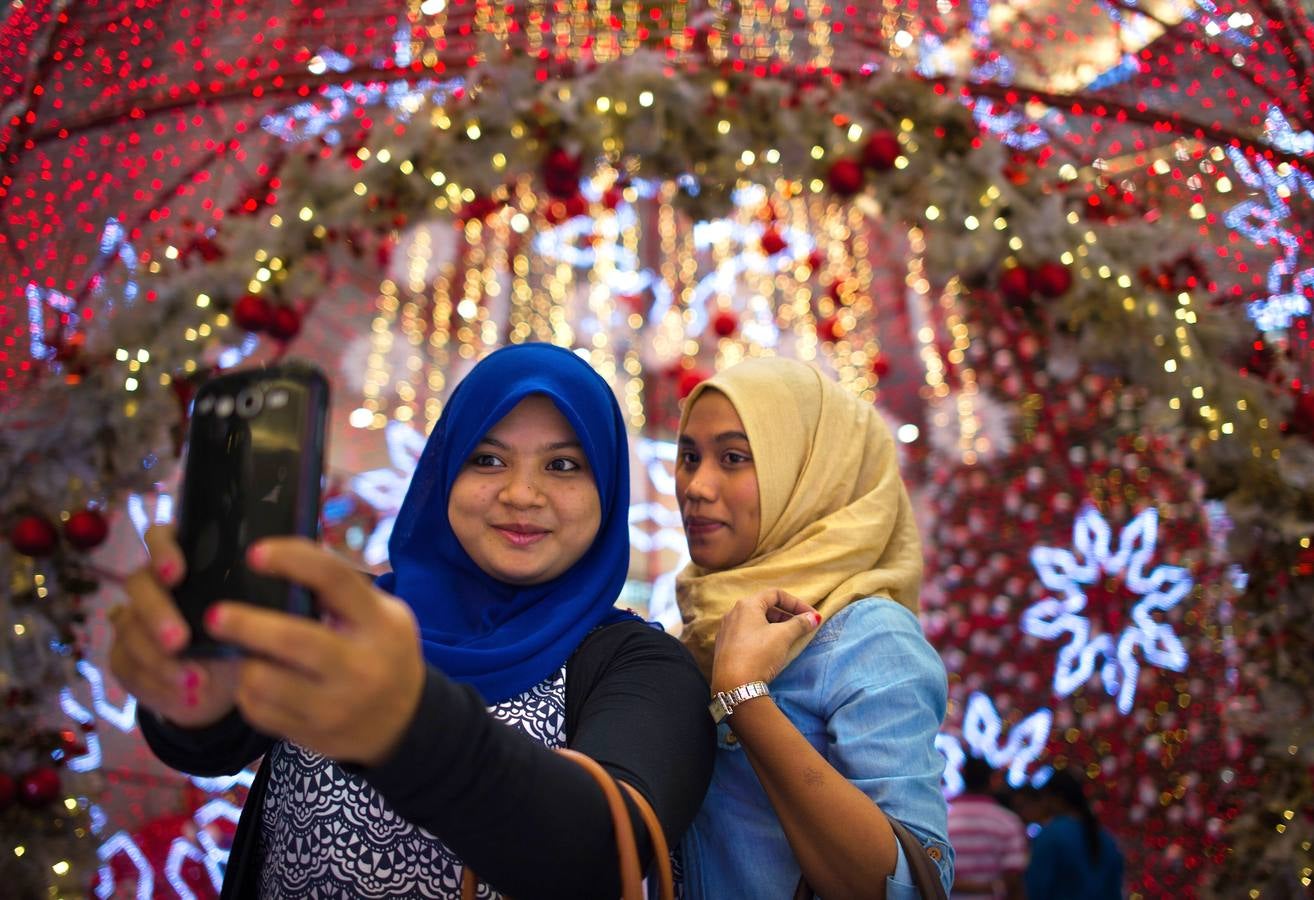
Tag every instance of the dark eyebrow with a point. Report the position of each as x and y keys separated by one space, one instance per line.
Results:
x=721 y=438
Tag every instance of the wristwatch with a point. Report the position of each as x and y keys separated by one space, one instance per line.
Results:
x=724 y=702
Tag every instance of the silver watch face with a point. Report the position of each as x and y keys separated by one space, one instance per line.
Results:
x=718 y=709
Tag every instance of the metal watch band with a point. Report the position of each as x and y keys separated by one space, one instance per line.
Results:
x=724 y=702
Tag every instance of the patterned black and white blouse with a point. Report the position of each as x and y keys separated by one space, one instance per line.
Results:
x=326 y=833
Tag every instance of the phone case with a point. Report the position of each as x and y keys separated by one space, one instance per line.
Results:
x=254 y=468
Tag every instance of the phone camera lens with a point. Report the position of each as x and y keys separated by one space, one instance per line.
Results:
x=249 y=402
x=223 y=406
x=204 y=406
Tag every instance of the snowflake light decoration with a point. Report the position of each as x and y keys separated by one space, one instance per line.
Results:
x=1068 y=574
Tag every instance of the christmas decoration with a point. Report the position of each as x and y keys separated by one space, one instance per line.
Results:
x=33 y=536
x=86 y=529
x=772 y=243
x=931 y=131
x=845 y=177
x=880 y=152
x=725 y=324
x=252 y=312
x=284 y=323
x=39 y=787
x=1050 y=279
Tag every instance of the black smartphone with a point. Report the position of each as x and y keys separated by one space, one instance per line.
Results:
x=253 y=468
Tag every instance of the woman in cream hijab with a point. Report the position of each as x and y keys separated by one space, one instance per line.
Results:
x=800 y=606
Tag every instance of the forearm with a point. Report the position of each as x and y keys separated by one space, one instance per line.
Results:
x=841 y=839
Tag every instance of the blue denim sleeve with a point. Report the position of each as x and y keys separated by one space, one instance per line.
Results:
x=885 y=693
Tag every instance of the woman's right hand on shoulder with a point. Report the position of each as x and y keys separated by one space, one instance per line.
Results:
x=149 y=636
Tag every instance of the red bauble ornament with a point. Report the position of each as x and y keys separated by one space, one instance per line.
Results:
x=881 y=151
x=829 y=329
x=815 y=260
x=8 y=790
x=689 y=379
x=771 y=242
x=1051 y=279
x=33 y=536
x=251 y=312
x=612 y=197
x=1015 y=284
x=1302 y=414
x=481 y=207
x=284 y=323
x=845 y=177
x=86 y=529
x=39 y=787
x=880 y=366
x=577 y=205
x=561 y=173
x=725 y=323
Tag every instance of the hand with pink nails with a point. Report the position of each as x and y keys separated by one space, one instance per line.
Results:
x=149 y=635
x=758 y=638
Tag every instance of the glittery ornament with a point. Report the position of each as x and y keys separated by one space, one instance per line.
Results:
x=251 y=312
x=86 y=529
x=845 y=177
x=880 y=152
x=33 y=536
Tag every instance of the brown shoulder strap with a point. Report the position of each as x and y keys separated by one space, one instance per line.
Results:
x=661 y=854
x=926 y=874
x=626 y=848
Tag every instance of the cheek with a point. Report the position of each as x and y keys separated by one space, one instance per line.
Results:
x=746 y=501
x=580 y=511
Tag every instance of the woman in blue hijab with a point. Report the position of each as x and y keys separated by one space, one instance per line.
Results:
x=409 y=733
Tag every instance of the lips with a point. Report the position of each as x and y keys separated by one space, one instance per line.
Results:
x=701 y=526
x=521 y=534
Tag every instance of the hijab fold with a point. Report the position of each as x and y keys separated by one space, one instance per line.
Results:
x=836 y=521
x=502 y=638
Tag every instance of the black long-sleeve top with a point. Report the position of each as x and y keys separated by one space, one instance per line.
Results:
x=528 y=821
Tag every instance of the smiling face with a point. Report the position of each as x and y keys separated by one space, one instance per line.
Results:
x=525 y=506
x=716 y=484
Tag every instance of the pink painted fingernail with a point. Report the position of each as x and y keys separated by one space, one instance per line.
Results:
x=171 y=635
x=816 y=618
x=191 y=699
x=257 y=555
x=191 y=680
x=214 y=617
x=167 y=570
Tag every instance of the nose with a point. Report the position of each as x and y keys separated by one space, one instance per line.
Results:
x=701 y=487
x=520 y=490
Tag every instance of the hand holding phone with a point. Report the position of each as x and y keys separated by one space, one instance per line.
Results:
x=254 y=468
x=149 y=633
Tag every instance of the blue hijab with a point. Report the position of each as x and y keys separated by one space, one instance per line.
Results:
x=503 y=639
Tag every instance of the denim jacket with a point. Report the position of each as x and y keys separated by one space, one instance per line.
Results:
x=869 y=694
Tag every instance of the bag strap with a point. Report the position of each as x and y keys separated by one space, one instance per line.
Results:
x=626 y=847
x=926 y=874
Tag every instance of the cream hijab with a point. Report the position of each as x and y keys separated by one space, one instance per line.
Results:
x=836 y=522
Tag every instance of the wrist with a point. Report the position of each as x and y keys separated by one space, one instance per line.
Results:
x=724 y=703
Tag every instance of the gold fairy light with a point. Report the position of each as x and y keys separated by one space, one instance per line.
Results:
x=601 y=303
x=377 y=374
x=439 y=337
x=472 y=292
x=632 y=367
x=818 y=16
x=920 y=317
